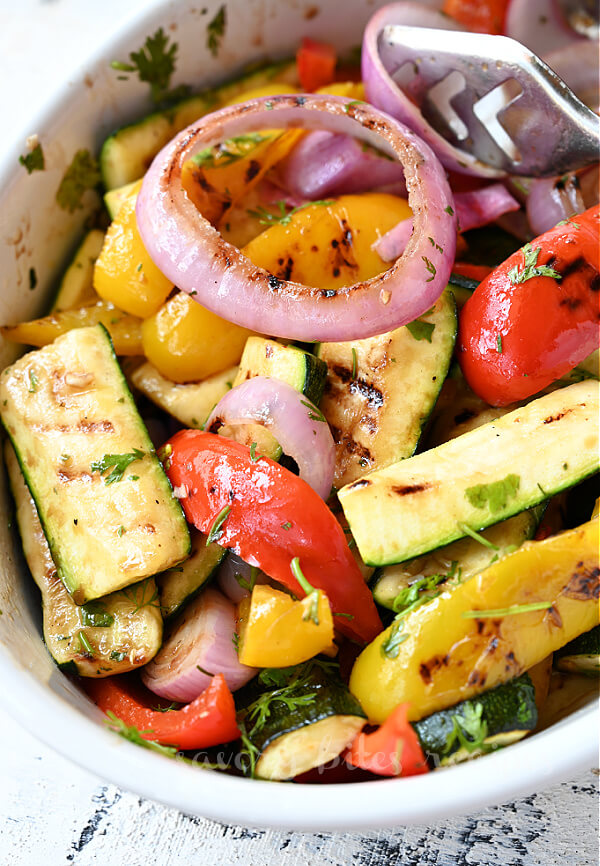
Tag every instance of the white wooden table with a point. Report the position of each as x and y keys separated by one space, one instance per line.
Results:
x=52 y=812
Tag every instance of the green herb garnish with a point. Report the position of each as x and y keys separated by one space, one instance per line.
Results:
x=531 y=268
x=390 y=647
x=33 y=382
x=253 y=456
x=495 y=495
x=134 y=735
x=312 y=610
x=248 y=584
x=476 y=536
x=287 y=525
x=421 y=330
x=86 y=646
x=354 y=363
x=215 y=530
x=499 y=344
x=95 y=615
x=215 y=30
x=117 y=656
x=118 y=462
x=229 y=151
x=314 y=413
x=155 y=64
x=284 y=217
x=507 y=611
x=132 y=594
x=469 y=729
x=430 y=267
x=34 y=160
x=81 y=175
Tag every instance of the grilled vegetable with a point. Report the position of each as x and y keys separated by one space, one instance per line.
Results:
x=77 y=286
x=392 y=750
x=380 y=391
x=486 y=631
x=476 y=480
x=493 y=719
x=448 y=566
x=115 y=634
x=183 y=582
x=300 y=369
x=304 y=718
x=582 y=655
x=107 y=508
x=114 y=198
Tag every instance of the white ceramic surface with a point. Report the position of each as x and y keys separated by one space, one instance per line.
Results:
x=35 y=233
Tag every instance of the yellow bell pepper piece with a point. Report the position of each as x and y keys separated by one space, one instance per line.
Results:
x=125 y=330
x=349 y=89
x=124 y=273
x=188 y=343
x=276 y=631
x=329 y=245
x=443 y=653
x=274 y=88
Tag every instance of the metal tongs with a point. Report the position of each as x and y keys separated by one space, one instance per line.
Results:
x=492 y=99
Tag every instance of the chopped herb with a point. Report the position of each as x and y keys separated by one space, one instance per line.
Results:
x=33 y=280
x=354 y=363
x=134 y=735
x=531 y=268
x=245 y=584
x=269 y=106
x=134 y=478
x=421 y=330
x=81 y=175
x=132 y=594
x=284 y=217
x=430 y=267
x=155 y=64
x=420 y=592
x=117 y=656
x=168 y=709
x=566 y=222
x=253 y=456
x=86 y=646
x=287 y=525
x=349 y=105
x=34 y=160
x=229 y=151
x=469 y=729
x=477 y=537
x=204 y=671
x=139 y=267
x=314 y=414
x=215 y=30
x=120 y=531
x=312 y=594
x=499 y=344
x=235 y=640
x=495 y=495
x=542 y=491
x=215 y=530
x=65 y=458
x=345 y=615
x=33 y=382
x=95 y=615
x=118 y=462
x=449 y=210
x=249 y=754
x=391 y=645
x=507 y=611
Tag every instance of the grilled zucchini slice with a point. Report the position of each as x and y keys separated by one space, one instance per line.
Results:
x=380 y=391
x=183 y=582
x=582 y=655
x=105 y=503
x=477 y=479
x=300 y=369
x=77 y=286
x=111 y=636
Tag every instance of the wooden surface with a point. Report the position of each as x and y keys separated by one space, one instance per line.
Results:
x=53 y=813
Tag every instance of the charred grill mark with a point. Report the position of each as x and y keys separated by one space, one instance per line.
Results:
x=65 y=476
x=252 y=170
x=328 y=293
x=571 y=303
x=476 y=678
x=216 y=424
x=577 y=264
x=274 y=283
x=554 y=616
x=372 y=424
x=356 y=485
x=350 y=445
x=286 y=273
x=343 y=373
x=584 y=583
x=96 y=427
x=429 y=668
x=371 y=394
x=595 y=283
x=407 y=489
x=560 y=415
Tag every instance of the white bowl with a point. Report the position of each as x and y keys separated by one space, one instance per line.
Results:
x=36 y=233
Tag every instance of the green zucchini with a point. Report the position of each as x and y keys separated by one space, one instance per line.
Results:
x=380 y=391
x=582 y=655
x=126 y=154
x=181 y=583
x=303 y=371
x=493 y=719
x=477 y=479
x=458 y=561
x=77 y=287
x=110 y=636
x=315 y=719
x=105 y=503
x=462 y=288
x=114 y=198
x=190 y=404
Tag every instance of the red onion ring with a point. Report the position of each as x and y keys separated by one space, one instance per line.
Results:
x=294 y=421
x=232 y=567
x=383 y=92
x=540 y=25
x=556 y=198
x=202 y=637
x=473 y=210
x=324 y=163
x=188 y=250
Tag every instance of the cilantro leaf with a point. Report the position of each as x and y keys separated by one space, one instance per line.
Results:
x=215 y=530
x=230 y=150
x=94 y=614
x=530 y=267
x=81 y=175
x=421 y=330
x=34 y=160
x=284 y=217
x=215 y=31
x=391 y=645
x=132 y=594
x=155 y=64
x=469 y=730
x=494 y=496
x=118 y=462
x=430 y=267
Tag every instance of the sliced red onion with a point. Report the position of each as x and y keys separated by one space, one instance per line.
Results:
x=383 y=92
x=556 y=198
x=201 y=644
x=189 y=251
x=232 y=569
x=296 y=423
x=325 y=163
x=578 y=66
x=473 y=210
x=540 y=25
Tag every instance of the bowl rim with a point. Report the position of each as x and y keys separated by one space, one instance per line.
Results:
x=528 y=765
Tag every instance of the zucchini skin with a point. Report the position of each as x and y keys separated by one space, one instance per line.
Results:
x=581 y=655
x=183 y=582
x=509 y=707
x=298 y=368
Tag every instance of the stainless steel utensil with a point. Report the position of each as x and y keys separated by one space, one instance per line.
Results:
x=492 y=98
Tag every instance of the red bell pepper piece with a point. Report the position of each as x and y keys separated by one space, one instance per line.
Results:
x=392 y=750
x=207 y=721
x=471 y=272
x=482 y=16
x=268 y=516
x=316 y=64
